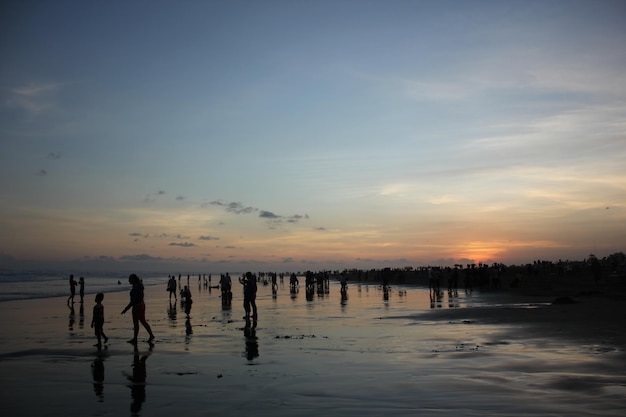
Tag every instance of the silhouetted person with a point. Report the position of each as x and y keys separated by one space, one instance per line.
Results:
x=225 y=287
x=344 y=295
x=72 y=289
x=81 y=290
x=274 y=283
x=97 y=321
x=171 y=287
x=249 y=294
x=139 y=308
x=293 y=282
x=187 y=300
x=385 y=283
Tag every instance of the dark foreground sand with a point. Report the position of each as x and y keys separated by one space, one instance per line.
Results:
x=488 y=354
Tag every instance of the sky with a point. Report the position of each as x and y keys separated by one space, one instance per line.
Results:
x=210 y=136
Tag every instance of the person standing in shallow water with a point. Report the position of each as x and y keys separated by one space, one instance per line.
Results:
x=81 y=286
x=139 y=308
x=73 y=284
x=97 y=322
x=171 y=287
x=249 y=294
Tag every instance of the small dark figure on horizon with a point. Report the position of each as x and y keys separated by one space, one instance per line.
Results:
x=139 y=308
x=385 y=283
x=274 y=283
x=73 y=284
x=97 y=321
x=293 y=282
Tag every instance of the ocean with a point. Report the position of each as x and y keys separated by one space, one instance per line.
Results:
x=25 y=285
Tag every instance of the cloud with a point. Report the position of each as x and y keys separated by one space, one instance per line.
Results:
x=268 y=215
x=42 y=173
x=141 y=257
x=234 y=207
x=180 y=198
x=275 y=219
x=444 y=199
x=183 y=244
x=151 y=197
x=156 y=236
x=208 y=238
x=272 y=218
x=54 y=156
x=32 y=98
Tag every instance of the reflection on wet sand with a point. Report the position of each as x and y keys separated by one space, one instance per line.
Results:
x=97 y=372
x=72 y=318
x=252 y=341
x=171 y=313
x=137 y=382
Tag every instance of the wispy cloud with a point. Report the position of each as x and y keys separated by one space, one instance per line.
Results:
x=208 y=238
x=54 y=156
x=183 y=244
x=234 y=207
x=33 y=98
x=141 y=257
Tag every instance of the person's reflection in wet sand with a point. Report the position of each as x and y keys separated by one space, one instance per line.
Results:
x=81 y=316
x=138 y=382
x=97 y=371
x=72 y=318
x=252 y=342
x=344 y=295
x=188 y=329
x=436 y=299
x=453 y=299
x=171 y=314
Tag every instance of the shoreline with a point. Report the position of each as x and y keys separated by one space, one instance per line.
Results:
x=491 y=358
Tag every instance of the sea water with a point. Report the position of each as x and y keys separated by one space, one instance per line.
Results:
x=25 y=285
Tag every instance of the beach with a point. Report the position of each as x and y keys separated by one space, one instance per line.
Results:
x=374 y=353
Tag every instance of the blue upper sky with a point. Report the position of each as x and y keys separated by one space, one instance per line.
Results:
x=290 y=135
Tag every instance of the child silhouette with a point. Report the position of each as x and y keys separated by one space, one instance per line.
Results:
x=97 y=322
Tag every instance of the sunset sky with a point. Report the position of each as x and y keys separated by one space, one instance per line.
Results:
x=216 y=136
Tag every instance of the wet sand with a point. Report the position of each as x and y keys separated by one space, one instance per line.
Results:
x=479 y=354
